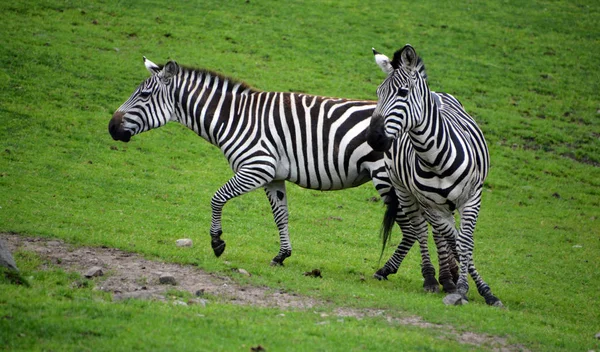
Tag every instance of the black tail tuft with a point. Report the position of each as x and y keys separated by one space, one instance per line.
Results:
x=389 y=219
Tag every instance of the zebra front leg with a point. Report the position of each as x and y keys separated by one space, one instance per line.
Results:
x=244 y=181
x=444 y=234
x=277 y=198
x=430 y=284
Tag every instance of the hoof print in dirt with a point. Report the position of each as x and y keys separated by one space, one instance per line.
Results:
x=313 y=273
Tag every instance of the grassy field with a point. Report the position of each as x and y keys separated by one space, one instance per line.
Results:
x=527 y=71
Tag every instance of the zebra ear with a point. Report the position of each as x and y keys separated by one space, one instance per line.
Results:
x=151 y=66
x=406 y=57
x=170 y=70
x=383 y=62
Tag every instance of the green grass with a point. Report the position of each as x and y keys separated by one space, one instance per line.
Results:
x=526 y=71
x=59 y=313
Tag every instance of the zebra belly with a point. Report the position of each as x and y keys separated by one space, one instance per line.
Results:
x=317 y=179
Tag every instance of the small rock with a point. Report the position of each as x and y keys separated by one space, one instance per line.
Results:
x=167 y=279
x=179 y=303
x=184 y=242
x=243 y=272
x=598 y=336
x=93 y=272
x=455 y=299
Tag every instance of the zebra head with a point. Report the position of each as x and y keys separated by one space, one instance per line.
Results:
x=399 y=97
x=150 y=106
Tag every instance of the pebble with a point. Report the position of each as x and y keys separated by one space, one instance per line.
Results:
x=167 y=279
x=598 y=336
x=184 y=242
x=94 y=271
x=244 y=272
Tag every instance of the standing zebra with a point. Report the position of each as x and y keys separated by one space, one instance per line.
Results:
x=268 y=138
x=437 y=163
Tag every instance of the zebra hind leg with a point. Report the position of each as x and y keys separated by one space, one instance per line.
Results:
x=411 y=232
x=277 y=198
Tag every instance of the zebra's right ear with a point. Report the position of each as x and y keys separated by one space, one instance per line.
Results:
x=151 y=66
x=383 y=62
x=406 y=57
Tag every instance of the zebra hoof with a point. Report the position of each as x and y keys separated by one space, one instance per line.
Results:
x=455 y=299
x=218 y=246
x=431 y=285
x=279 y=258
x=449 y=286
x=381 y=274
x=494 y=302
x=379 y=277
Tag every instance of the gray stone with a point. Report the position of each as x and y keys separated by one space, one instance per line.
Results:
x=184 y=242
x=244 y=272
x=167 y=279
x=598 y=336
x=93 y=272
x=455 y=299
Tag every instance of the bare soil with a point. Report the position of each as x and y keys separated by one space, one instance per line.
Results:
x=129 y=276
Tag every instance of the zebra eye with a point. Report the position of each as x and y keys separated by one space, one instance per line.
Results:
x=145 y=93
x=402 y=92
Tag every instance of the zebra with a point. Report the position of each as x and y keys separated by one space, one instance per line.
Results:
x=437 y=160
x=267 y=137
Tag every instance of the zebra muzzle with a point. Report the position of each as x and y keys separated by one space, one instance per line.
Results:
x=116 y=130
x=376 y=137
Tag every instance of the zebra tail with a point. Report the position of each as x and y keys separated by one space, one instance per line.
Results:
x=389 y=219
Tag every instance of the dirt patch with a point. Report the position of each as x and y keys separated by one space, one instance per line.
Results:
x=128 y=275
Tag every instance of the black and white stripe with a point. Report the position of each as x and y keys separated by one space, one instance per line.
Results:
x=267 y=137
x=437 y=161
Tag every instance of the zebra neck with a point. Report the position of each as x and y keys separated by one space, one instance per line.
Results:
x=207 y=101
x=434 y=140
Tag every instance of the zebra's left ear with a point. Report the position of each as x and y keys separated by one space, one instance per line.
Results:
x=406 y=57
x=151 y=66
x=170 y=70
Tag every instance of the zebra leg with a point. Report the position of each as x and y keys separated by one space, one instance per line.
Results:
x=277 y=198
x=465 y=246
x=411 y=231
x=430 y=284
x=444 y=233
x=446 y=261
x=242 y=182
x=383 y=186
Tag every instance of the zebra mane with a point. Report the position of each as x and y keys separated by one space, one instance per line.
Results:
x=203 y=72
